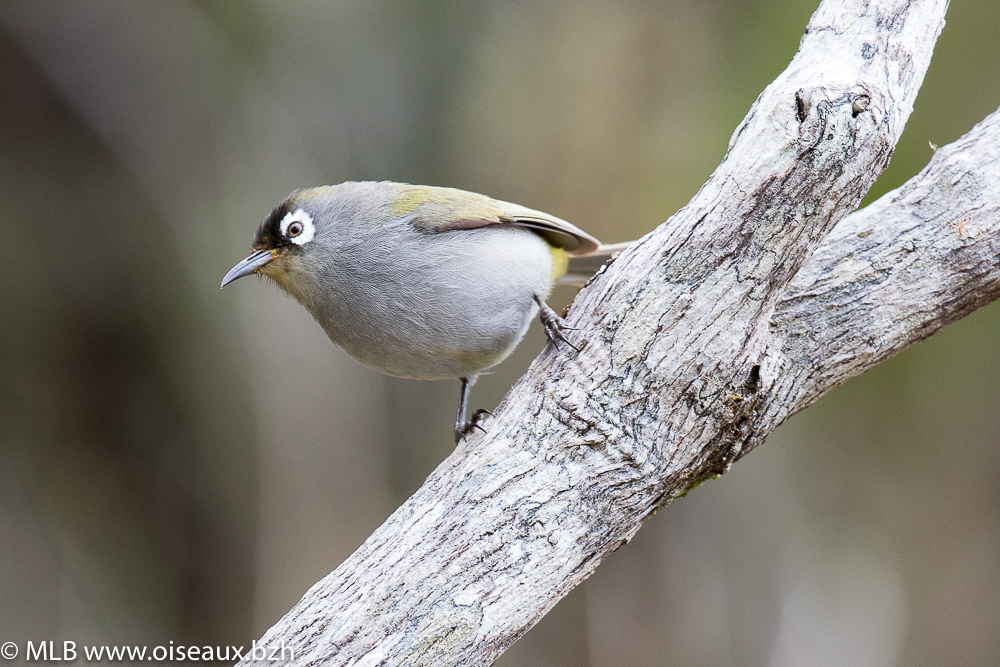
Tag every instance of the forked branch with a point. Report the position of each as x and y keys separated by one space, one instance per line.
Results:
x=698 y=343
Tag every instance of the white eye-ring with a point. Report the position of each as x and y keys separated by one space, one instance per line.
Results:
x=298 y=227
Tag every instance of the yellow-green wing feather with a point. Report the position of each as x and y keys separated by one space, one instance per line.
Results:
x=438 y=210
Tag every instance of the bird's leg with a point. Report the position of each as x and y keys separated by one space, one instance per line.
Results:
x=555 y=326
x=462 y=427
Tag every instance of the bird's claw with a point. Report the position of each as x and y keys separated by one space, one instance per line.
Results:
x=555 y=326
x=462 y=430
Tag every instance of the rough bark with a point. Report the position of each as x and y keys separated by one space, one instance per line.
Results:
x=892 y=274
x=692 y=355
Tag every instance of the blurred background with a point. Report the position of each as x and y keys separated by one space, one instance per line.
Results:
x=180 y=463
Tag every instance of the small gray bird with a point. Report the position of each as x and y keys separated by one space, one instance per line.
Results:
x=422 y=282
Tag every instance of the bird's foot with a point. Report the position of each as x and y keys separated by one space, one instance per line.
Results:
x=555 y=326
x=464 y=429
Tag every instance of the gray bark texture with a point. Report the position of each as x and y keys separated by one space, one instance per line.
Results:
x=699 y=340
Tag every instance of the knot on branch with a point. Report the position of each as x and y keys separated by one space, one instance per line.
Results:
x=840 y=118
x=741 y=404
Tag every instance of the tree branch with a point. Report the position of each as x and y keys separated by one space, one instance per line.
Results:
x=893 y=273
x=687 y=362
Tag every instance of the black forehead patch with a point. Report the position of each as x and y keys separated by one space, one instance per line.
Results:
x=269 y=233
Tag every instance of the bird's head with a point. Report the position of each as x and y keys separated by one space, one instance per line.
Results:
x=282 y=240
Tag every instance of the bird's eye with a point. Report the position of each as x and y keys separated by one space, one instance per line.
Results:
x=297 y=227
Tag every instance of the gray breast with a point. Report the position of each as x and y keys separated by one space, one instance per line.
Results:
x=431 y=306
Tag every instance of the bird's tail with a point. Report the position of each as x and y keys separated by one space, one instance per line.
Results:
x=583 y=267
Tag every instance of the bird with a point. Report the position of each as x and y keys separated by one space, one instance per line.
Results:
x=422 y=282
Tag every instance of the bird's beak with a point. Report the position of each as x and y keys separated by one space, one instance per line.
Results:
x=249 y=265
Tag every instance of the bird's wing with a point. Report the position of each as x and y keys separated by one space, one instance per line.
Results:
x=555 y=230
x=440 y=210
